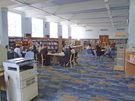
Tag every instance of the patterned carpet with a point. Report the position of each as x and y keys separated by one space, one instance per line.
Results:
x=91 y=80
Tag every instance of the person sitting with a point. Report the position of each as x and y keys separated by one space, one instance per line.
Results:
x=90 y=50
x=44 y=51
x=34 y=50
x=72 y=50
x=39 y=47
x=18 y=51
x=107 y=51
x=11 y=54
x=62 y=50
x=65 y=58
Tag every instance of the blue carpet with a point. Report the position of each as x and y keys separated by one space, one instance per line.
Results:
x=91 y=80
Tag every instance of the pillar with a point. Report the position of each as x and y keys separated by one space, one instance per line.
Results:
x=3 y=27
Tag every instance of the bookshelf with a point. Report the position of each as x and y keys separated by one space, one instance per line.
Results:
x=129 y=65
x=52 y=44
x=77 y=43
x=12 y=42
x=21 y=41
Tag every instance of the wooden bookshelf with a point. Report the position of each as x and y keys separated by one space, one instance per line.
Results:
x=21 y=41
x=120 y=63
x=129 y=65
x=52 y=44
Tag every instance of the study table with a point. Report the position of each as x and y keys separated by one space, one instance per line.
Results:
x=56 y=57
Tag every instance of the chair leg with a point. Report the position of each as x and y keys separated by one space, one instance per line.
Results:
x=77 y=61
x=42 y=63
x=71 y=64
x=74 y=61
x=64 y=65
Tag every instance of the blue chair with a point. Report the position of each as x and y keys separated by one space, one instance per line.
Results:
x=29 y=55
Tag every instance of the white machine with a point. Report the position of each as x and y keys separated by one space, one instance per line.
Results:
x=21 y=79
x=3 y=56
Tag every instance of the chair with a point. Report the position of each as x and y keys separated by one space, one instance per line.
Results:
x=42 y=59
x=99 y=53
x=38 y=57
x=10 y=54
x=70 y=60
x=29 y=55
x=76 y=57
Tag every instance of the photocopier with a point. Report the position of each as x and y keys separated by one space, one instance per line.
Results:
x=21 y=79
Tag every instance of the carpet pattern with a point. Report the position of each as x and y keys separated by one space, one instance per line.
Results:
x=90 y=80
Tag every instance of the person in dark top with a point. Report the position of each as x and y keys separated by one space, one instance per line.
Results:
x=65 y=58
x=34 y=50
x=98 y=47
x=11 y=54
x=44 y=51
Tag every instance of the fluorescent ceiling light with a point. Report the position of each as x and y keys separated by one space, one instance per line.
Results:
x=107 y=6
x=110 y=17
x=109 y=12
x=106 y=1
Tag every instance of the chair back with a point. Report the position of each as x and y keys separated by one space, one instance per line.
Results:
x=10 y=54
x=76 y=54
x=38 y=56
x=71 y=57
x=29 y=55
x=42 y=56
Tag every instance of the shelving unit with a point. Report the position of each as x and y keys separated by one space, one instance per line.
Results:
x=12 y=42
x=77 y=43
x=129 y=65
x=119 y=63
x=21 y=41
x=51 y=44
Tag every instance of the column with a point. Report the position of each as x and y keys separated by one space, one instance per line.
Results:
x=3 y=27
x=131 y=28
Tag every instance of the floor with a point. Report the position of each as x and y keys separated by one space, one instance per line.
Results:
x=91 y=80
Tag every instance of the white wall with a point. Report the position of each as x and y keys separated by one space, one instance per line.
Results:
x=82 y=33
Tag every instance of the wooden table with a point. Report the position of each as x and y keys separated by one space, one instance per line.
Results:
x=56 y=56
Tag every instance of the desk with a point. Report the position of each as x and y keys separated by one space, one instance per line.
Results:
x=56 y=56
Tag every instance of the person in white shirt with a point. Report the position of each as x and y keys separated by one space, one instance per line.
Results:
x=18 y=51
x=89 y=48
x=39 y=47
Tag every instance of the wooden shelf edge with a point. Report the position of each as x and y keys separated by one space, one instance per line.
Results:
x=130 y=62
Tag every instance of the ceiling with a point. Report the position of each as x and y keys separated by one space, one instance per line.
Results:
x=85 y=13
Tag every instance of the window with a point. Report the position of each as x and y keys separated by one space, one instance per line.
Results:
x=37 y=27
x=14 y=24
x=64 y=31
x=76 y=32
x=53 y=30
